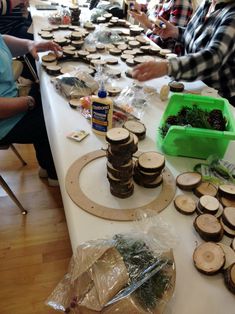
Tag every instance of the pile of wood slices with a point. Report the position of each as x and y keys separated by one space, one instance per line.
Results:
x=215 y=210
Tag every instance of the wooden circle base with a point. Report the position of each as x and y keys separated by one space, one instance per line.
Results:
x=126 y=214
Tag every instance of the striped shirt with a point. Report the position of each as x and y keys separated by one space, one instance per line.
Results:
x=177 y=12
x=209 y=49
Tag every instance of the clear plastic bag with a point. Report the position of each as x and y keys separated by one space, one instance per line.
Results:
x=75 y=84
x=103 y=35
x=133 y=100
x=130 y=273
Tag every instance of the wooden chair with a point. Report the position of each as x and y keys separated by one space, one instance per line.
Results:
x=3 y=183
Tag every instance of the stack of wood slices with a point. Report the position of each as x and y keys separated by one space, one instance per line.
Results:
x=215 y=210
x=148 y=168
x=121 y=146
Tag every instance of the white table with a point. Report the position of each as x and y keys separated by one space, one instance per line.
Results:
x=194 y=293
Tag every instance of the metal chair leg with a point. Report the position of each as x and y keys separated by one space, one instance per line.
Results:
x=18 y=155
x=6 y=187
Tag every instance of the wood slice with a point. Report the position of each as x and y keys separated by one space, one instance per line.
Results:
x=89 y=26
x=93 y=56
x=149 y=185
x=206 y=188
x=77 y=43
x=227 y=191
x=188 y=180
x=135 y=31
x=209 y=258
x=154 y=50
x=122 y=47
x=74 y=103
x=151 y=161
x=53 y=69
x=130 y=52
x=76 y=35
x=47 y=35
x=229 y=254
x=185 y=204
x=117 y=136
x=83 y=53
x=50 y=57
x=143 y=59
x=122 y=194
x=164 y=52
x=91 y=49
x=126 y=56
x=220 y=211
x=145 y=49
x=130 y=62
x=227 y=202
x=100 y=47
x=228 y=217
x=129 y=73
x=68 y=53
x=98 y=62
x=134 y=44
x=136 y=127
x=124 y=170
x=176 y=87
x=128 y=147
x=233 y=244
x=114 y=73
x=208 y=204
x=229 y=278
x=111 y=61
x=113 y=91
x=228 y=231
x=115 y=51
x=101 y=19
x=142 y=40
x=208 y=227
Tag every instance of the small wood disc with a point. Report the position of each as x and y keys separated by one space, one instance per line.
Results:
x=229 y=278
x=142 y=40
x=145 y=49
x=154 y=50
x=176 y=87
x=115 y=51
x=227 y=190
x=111 y=61
x=209 y=258
x=134 y=44
x=129 y=73
x=91 y=49
x=122 y=47
x=227 y=202
x=93 y=56
x=206 y=188
x=117 y=136
x=151 y=161
x=51 y=57
x=185 y=204
x=47 y=35
x=130 y=62
x=188 y=180
x=53 y=69
x=136 y=127
x=100 y=46
x=89 y=26
x=113 y=91
x=207 y=224
x=164 y=52
x=229 y=255
x=208 y=204
x=228 y=231
x=83 y=53
x=74 y=103
x=228 y=217
x=143 y=59
x=76 y=36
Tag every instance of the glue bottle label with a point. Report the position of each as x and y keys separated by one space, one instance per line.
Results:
x=100 y=116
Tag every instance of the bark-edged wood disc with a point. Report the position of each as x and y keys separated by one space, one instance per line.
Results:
x=130 y=62
x=151 y=161
x=117 y=136
x=50 y=57
x=136 y=127
x=115 y=51
x=228 y=231
x=111 y=61
x=229 y=278
x=227 y=202
x=176 y=87
x=185 y=204
x=74 y=103
x=208 y=204
x=227 y=190
x=208 y=224
x=209 y=258
x=229 y=255
x=113 y=91
x=53 y=69
x=188 y=180
x=206 y=188
x=228 y=217
x=143 y=59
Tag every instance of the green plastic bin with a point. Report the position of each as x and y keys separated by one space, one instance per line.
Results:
x=196 y=142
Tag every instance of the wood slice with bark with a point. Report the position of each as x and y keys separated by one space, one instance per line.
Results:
x=227 y=190
x=188 y=180
x=227 y=202
x=151 y=162
x=123 y=173
x=136 y=127
x=205 y=188
x=208 y=227
x=185 y=204
x=229 y=278
x=228 y=231
x=229 y=255
x=122 y=194
x=148 y=184
x=118 y=160
x=128 y=147
x=228 y=217
x=145 y=176
x=209 y=258
x=117 y=136
x=208 y=204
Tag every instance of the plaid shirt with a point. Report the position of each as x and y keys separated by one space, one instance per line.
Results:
x=209 y=49
x=178 y=12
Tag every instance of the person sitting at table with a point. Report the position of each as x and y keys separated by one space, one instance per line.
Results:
x=177 y=12
x=21 y=118
x=209 y=49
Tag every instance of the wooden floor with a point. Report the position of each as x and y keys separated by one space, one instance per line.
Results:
x=34 y=249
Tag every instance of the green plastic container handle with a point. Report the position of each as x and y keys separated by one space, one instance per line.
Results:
x=207 y=133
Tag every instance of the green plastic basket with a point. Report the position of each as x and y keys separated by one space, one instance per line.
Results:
x=196 y=142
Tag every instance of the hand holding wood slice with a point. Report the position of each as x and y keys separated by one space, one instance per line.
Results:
x=209 y=258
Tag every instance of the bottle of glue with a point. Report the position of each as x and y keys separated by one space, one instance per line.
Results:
x=102 y=112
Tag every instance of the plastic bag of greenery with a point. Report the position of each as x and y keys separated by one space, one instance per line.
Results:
x=75 y=84
x=216 y=170
x=130 y=273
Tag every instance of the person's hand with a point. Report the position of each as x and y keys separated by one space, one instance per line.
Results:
x=150 y=70
x=35 y=47
x=170 y=31
x=141 y=17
